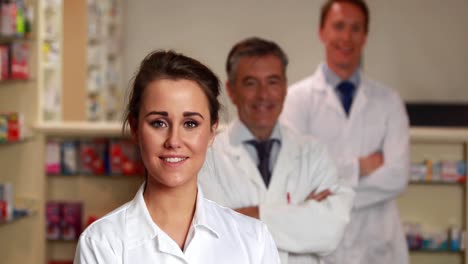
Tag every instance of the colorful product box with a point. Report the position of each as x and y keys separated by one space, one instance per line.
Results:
x=8 y=18
x=53 y=220
x=124 y=158
x=15 y=126
x=93 y=156
x=19 y=61
x=3 y=127
x=52 y=165
x=4 y=62
x=418 y=171
x=7 y=196
x=3 y=210
x=71 y=220
x=69 y=157
x=449 y=171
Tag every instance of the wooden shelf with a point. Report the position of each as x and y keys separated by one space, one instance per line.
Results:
x=12 y=81
x=8 y=39
x=21 y=140
x=78 y=129
x=443 y=183
x=448 y=135
x=434 y=251
x=16 y=219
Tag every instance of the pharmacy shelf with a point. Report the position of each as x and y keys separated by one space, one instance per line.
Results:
x=8 y=39
x=14 y=81
x=448 y=200
x=446 y=135
x=442 y=183
x=94 y=129
x=428 y=251
x=16 y=219
x=19 y=141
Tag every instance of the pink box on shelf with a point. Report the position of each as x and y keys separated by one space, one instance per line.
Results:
x=52 y=165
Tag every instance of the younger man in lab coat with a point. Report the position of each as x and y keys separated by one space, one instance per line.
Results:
x=365 y=126
x=262 y=169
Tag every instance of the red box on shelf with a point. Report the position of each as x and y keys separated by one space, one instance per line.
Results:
x=3 y=210
x=19 y=61
x=124 y=158
x=93 y=156
x=15 y=123
x=4 y=63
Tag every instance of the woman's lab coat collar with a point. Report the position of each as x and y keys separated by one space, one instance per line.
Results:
x=140 y=226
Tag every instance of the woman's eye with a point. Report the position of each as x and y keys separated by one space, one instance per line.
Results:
x=190 y=124
x=158 y=123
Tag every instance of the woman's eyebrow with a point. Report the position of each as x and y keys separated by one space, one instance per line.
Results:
x=157 y=113
x=187 y=114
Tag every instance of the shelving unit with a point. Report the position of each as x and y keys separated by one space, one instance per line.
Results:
x=21 y=240
x=50 y=60
x=112 y=191
x=104 y=89
x=437 y=205
x=52 y=101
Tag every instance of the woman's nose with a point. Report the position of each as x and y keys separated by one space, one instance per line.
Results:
x=173 y=140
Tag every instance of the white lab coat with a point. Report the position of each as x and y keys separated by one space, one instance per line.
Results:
x=303 y=231
x=377 y=122
x=128 y=235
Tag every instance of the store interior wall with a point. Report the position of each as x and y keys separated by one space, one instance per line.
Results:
x=418 y=47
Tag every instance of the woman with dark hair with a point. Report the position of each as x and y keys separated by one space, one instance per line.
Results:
x=173 y=115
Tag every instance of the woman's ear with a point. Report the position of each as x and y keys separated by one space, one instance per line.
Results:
x=214 y=131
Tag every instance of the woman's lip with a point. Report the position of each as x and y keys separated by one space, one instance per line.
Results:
x=173 y=160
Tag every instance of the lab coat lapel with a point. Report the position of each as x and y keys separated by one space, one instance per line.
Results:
x=360 y=99
x=287 y=161
x=240 y=158
x=330 y=100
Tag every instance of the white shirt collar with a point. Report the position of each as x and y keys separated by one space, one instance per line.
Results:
x=239 y=133
x=140 y=225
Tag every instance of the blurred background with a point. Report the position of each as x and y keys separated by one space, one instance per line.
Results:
x=66 y=65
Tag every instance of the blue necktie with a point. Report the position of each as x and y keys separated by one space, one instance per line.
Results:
x=346 y=90
x=263 y=151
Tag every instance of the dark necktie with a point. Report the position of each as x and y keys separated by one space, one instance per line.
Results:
x=263 y=151
x=346 y=90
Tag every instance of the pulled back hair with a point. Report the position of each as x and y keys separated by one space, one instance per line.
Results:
x=361 y=4
x=171 y=65
x=253 y=47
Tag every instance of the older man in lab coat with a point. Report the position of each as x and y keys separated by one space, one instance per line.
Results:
x=264 y=170
x=365 y=126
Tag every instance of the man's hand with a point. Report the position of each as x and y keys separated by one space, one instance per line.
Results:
x=319 y=196
x=369 y=164
x=251 y=211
